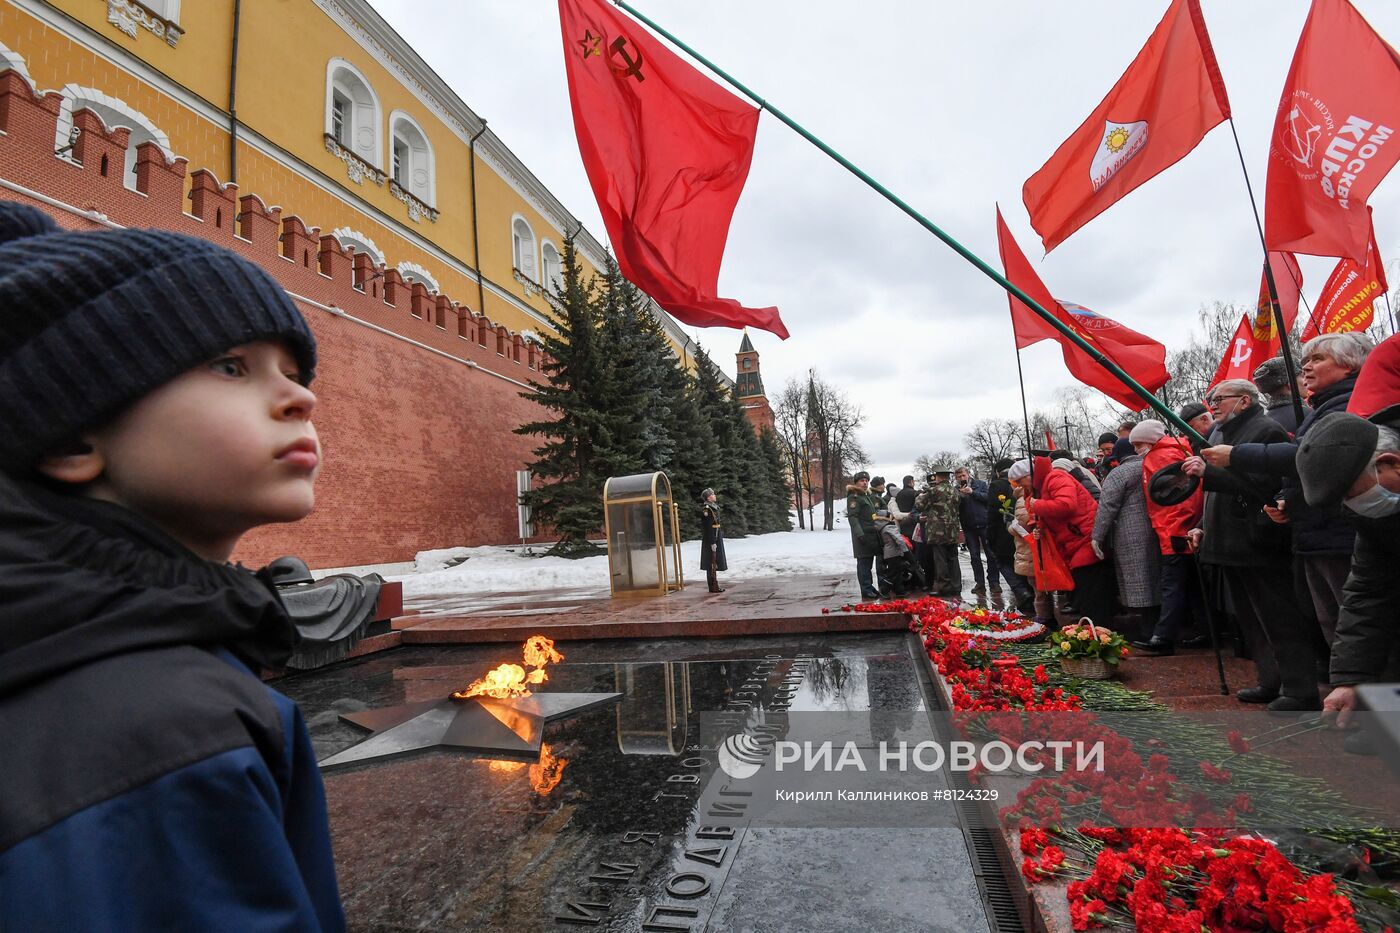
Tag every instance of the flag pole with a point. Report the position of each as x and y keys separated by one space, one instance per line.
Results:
x=1273 y=287
x=1094 y=353
x=1025 y=415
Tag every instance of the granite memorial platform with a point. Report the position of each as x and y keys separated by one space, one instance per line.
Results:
x=624 y=822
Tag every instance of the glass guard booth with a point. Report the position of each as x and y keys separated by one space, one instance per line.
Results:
x=642 y=524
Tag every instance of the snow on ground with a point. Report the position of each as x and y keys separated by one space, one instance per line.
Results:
x=510 y=569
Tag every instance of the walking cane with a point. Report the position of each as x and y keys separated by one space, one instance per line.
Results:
x=1210 y=626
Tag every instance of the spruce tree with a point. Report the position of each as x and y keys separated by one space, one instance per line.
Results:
x=579 y=449
x=726 y=471
x=638 y=357
x=777 y=491
x=696 y=451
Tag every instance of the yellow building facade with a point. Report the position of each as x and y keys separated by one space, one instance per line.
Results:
x=319 y=107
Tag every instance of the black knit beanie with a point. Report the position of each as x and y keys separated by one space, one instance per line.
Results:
x=92 y=322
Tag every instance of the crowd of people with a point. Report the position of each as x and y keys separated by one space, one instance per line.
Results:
x=1277 y=536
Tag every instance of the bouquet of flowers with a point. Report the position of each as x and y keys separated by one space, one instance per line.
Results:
x=1088 y=650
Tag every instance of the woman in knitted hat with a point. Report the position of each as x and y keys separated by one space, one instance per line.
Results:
x=156 y=410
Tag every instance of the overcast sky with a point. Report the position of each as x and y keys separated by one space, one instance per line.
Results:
x=952 y=105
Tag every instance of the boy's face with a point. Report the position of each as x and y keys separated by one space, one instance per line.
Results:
x=217 y=451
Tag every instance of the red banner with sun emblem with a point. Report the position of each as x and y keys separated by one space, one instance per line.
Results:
x=1160 y=109
x=667 y=152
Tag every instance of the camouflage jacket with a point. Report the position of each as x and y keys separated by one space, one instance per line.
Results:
x=939 y=505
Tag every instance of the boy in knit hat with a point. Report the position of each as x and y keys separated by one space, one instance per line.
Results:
x=156 y=409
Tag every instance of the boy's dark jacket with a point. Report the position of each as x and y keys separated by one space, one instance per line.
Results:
x=149 y=781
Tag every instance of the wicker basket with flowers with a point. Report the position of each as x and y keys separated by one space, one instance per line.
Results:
x=1088 y=650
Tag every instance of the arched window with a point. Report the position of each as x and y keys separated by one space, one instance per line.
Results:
x=411 y=158
x=522 y=251
x=412 y=272
x=352 y=111
x=359 y=243
x=114 y=113
x=13 y=60
x=551 y=266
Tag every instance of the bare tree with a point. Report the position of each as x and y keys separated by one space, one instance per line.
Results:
x=1193 y=365
x=790 y=418
x=993 y=439
x=833 y=423
x=924 y=464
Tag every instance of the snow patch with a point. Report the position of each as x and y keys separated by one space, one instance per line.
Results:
x=511 y=569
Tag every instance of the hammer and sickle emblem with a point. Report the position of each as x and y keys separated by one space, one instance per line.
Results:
x=1243 y=352
x=629 y=67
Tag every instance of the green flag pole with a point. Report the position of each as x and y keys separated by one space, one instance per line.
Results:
x=1094 y=353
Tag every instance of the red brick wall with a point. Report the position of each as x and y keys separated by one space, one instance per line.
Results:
x=419 y=449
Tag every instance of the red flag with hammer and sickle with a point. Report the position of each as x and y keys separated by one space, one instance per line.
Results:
x=1334 y=136
x=667 y=152
x=1244 y=354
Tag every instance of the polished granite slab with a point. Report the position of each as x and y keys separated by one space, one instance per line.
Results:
x=626 y=824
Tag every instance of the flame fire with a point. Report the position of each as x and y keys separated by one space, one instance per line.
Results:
x=546 y=775
x=510 y=681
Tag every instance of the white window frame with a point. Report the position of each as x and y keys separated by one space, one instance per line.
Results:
x=168 y=10
x=364 y=114
x=551 y=278
x=420 y=158
x=527 y=264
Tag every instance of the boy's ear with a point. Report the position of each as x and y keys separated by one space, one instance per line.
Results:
x=78 y=463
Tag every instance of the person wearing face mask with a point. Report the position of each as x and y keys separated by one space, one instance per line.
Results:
x=1356 y=461
x=1199 y=419
x=1322 y=539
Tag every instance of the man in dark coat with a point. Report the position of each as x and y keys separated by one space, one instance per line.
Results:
x=861 y=506
x=1322 y=537
x=972 y=516
x=904 y=500
x=1253 y=554
x=1357 y=462
x=712 y=546
x=1271 y=378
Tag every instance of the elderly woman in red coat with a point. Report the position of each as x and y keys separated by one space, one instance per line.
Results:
x=1063 y=510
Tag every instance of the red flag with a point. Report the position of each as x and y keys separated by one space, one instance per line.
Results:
x=1288 y=279
x=1333 y=137
x=1160 y=109
x=1245 y=352
x=1142 y=358
x=667 y=152
x=1346 y=302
